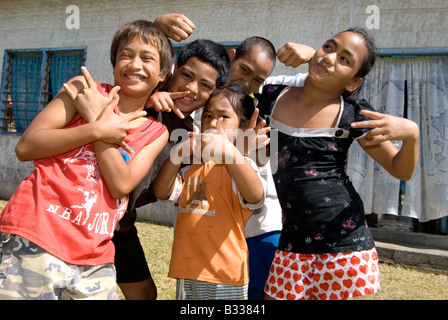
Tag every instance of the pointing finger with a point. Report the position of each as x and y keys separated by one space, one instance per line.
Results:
x=135 y=115
x=88 y=77
x=219 y=125
x=113 y=92
x=179 y=113
x=366 y=124
x=261 y=125
x=69 y=91
x=126 y=147
x=371 y=121
x=253 y=119
x=372 y=114
x=178 y=94
x=113 y=103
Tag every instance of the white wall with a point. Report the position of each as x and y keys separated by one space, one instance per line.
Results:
x=37 y=24
x=28 y=24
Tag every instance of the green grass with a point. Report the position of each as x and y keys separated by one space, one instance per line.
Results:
x=397 y=282
x=157 y=241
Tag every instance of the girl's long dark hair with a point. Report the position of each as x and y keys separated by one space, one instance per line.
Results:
x=369 y=59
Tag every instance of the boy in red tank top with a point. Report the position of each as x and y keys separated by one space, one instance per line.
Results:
x=59 y=224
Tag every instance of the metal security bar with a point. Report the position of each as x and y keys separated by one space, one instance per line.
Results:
x=18 y=106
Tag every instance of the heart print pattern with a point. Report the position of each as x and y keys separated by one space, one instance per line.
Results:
x=332 y=276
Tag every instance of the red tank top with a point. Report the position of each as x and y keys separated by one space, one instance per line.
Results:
x=65 y=207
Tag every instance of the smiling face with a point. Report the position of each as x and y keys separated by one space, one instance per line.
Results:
x=335 y=65
x=197 y=77
x=137 y=68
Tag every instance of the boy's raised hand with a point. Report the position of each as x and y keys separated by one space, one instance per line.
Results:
x=112 y=127
x=295 y=54
x=164 y=102
x=89 y=102
x=175 y=26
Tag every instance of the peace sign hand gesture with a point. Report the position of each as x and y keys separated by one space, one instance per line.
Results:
x=164 y=102
x=113 y=128
x=94 y=107
x=89 y=102
x=387 y=127
x=260 y=137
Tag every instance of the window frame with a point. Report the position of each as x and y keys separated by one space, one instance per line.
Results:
x=6 y=119
x=412 y=52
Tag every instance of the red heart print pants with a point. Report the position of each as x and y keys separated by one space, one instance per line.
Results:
x=331 y=276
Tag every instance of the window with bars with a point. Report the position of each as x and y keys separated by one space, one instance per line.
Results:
x=411 y=83
x=30 y=80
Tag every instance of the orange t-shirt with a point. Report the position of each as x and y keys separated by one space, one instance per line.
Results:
x=209 y=240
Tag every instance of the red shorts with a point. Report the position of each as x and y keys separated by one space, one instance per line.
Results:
x=332 y=276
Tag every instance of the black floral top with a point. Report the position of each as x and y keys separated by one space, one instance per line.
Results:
x=322 y=212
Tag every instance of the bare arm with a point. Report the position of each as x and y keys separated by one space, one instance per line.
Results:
x=46 y=136
x=399 y=163
x=121 y=177
x=246 y=179
x=295 y=54
x=166 y=178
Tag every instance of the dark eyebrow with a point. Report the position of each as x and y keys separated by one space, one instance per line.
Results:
x=348 y=52
x=247 y=67
x=210 y=83
x=189 y=70
x=129 y=49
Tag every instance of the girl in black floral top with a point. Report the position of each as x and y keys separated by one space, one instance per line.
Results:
x=326 y=250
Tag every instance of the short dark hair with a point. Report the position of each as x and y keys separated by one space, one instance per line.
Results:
x=250 y=43
x=242 y=103
x=148 y=32
x=369 y=59
x=209 y=52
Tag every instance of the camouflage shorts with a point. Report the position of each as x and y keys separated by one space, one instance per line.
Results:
x=29 y=272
